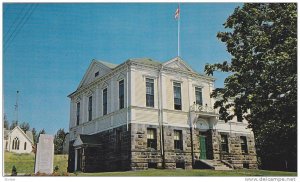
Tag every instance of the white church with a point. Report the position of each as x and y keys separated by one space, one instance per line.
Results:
x=18 y=141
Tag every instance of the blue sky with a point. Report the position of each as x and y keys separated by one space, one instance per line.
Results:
x=46 y=58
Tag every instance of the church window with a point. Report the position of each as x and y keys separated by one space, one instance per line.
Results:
x=25 y=145
x=16 y=144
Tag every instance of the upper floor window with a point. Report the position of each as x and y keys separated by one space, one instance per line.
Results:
x=224 y=143
x=149 y=92
x=121 y=94
x=90 y=110
x=177 y=96
x=16 y=144
x=97 y=74
x=151 y=138
x=244 y=146
x=78 y=113
x=178 y=140
x=198 y=94
x=104 y=101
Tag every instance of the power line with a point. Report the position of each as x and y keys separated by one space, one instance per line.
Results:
x=14 y=22
x=24 y=22
x=18 y=25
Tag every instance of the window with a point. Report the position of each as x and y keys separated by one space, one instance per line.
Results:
x=198 y=94
x=25 y=145
x=97 y=74
x=151 y=138
x=90 y=107
x=121 y=94
x=104 y=101
x=78 y=113
x=6 y=145
x=244 y=147
x=149 y=92
x=177 y=96
x=16 y=144
x=178 y=140
x=224 y=143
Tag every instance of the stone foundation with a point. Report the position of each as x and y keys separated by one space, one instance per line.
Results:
x=132 y=153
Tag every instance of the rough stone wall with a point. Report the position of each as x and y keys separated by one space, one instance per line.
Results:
x=115 y=156
x=235 y=155
x=133 y=153
x=141 y=156
x=173 y=156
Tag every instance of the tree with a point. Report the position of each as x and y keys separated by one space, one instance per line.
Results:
x=13 y=125
x=25 y=126
x=5 y=122
x=262 y=39
x=34 y=134
x=58 y=141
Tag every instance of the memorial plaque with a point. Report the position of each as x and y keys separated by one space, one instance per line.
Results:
x=44 y=154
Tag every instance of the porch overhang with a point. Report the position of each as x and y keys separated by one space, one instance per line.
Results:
x=86 y=141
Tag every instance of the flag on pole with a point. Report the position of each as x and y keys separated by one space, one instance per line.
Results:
x=177 y=13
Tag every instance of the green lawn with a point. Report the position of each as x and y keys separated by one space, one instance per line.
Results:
x=25 y=163
x=194 y=172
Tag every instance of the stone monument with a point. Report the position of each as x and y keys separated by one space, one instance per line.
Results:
x=44 y=154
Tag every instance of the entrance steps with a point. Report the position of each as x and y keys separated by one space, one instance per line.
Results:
x=213 y=164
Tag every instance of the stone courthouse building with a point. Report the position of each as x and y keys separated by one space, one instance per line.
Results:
x=146 y=114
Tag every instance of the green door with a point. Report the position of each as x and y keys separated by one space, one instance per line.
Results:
x=202 y=147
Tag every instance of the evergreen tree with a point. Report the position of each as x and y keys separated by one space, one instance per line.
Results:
x=58 y=141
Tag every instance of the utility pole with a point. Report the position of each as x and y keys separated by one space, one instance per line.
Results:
x=17 y=107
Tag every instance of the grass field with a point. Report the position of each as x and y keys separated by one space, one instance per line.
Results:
x=25 y=166
x=194 y=172
x=25 y=163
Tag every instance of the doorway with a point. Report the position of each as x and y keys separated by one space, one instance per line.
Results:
x=203 y=148
x=79 y=159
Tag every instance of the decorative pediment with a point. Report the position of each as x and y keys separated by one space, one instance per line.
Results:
x=104 y=85
x=178 y=64
x=96 y=69
x=201 y=124
x=121 y=76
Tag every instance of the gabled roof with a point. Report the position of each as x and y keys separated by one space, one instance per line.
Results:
x=178 y=63
x=26 y=136
x=109 y=65
x=105 y=65
x=30 y=135
x=147 y=61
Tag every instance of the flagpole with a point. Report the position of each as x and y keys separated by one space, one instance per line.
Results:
x=178 y=32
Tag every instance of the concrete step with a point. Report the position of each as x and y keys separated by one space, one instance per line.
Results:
x=216 y=164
